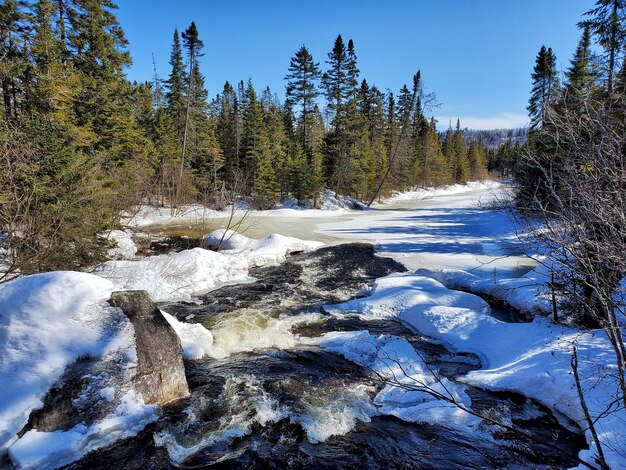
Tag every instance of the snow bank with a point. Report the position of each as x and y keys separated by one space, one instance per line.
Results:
x=46 y=322
x=175 y=276
x=397 y=294
x=412 y=391
x=47 y=450
x=178 y=276
x=329 y=203
x=328 y=200
x=150 y=215
x=272 y=249
x=529 y=293
x=532 y=359
x=423 y=193
x=125 y=248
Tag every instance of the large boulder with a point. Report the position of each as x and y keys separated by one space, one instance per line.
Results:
x=160 y=376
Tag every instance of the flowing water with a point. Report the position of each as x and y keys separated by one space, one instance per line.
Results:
x=272 y=400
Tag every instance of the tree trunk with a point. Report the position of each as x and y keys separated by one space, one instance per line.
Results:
x=583 y=405
x=182 y=160
x=6 y=94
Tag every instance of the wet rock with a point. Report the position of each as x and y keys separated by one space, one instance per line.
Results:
x=76 y=399
x=137 y=452
x=304 y=282
x=172 y=244
x=160 y=376
x=59 y=412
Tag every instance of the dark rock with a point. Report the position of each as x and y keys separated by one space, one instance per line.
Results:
x=160 y=376
x=139 y=452
x=172 y=244
x=307 y=281
x=75 y=399
x=58 y=411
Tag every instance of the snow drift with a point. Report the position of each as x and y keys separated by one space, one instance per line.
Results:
x=532 y=359
x=179 y=276
x=48 y=321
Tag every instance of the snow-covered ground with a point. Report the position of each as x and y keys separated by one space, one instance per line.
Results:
x=178 y=276
x=330 y=204
x=532 y=359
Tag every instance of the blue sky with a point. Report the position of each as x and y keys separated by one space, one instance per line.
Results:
x=476 y=55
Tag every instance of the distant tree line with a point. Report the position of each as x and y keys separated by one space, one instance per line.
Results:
x=81 y=143
x=494 y=138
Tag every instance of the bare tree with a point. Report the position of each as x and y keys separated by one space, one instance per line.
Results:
x=580 y=206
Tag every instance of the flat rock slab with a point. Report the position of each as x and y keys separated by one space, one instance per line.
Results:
x=160 y=376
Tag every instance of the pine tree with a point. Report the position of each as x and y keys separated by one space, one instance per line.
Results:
x=194 y=46
x=461 y=163
x=545 y=83
x=175 y=84
x=204 y=153
x=46 y=53
x=391 y=124
x=302 y=91
x=14 y=32
x=352 y=72
x=164 y=136
x=580 y=75
x=277 y=136
x=342 y=144
x=335 y=80
x=406 y=116
x=54 y=84
x=430 y=166
x=228 y=131
x=371 y=107
x=477 y=161
x=102 y=108
x=608 y=22
x=257 y=162
x=98 y=40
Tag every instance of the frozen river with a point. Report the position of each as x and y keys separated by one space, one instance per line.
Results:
x=451 y=230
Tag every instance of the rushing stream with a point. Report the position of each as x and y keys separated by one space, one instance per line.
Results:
x=270 y=399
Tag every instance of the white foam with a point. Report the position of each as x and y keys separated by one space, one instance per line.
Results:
x=240 y=331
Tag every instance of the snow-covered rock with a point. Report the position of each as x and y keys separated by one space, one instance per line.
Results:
x=331 y=201
x=47 y=322
x=270 y=250
x=411 y=392
x=532 y=359
x=178 y=276
x=160 y=372
x=125 y=249
x=49 y=450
